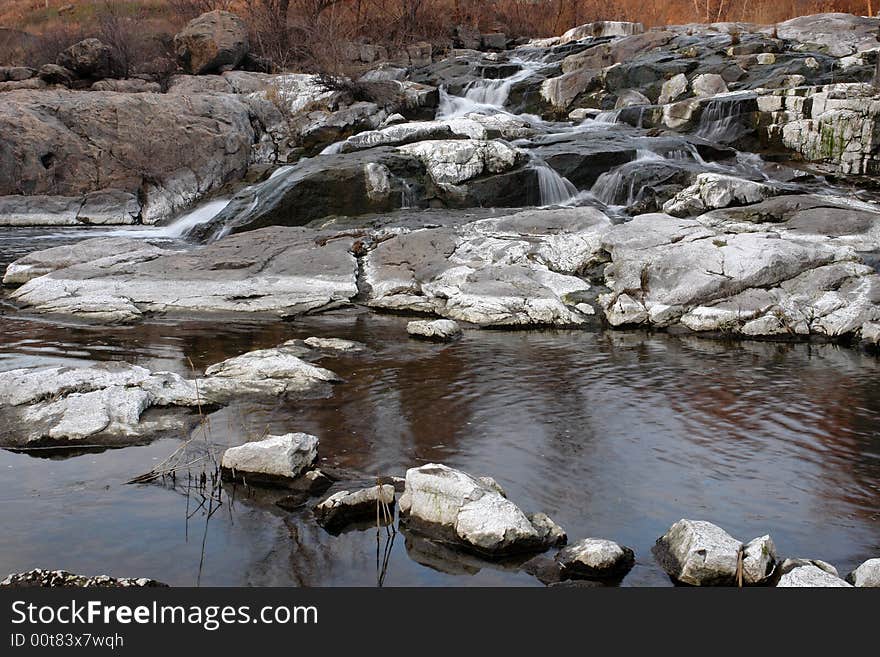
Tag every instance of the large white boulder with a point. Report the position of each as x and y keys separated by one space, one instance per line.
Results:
x=274 y=459
x=698 y=553
x=595 y=558
x=867 y=575
x=451 y=505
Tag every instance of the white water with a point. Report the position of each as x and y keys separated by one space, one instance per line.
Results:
x=484 y=96
x=554 y=189
x=179 y=227
x=619 y=184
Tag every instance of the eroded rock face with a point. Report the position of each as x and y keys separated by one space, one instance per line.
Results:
x=451 y=505
x=56 y=144
x=452 y=162
x=214 y=41
x=272 y=460
x=595 y=558
x=712 y=191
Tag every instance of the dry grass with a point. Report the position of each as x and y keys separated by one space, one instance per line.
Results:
x=292 y=31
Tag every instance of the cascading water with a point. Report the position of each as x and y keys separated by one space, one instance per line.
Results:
x=485 y=96
x=623 y=185
x=179 y=227
x=722 y=120
x=554 y=189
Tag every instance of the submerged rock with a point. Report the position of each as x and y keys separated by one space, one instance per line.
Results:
x=61 y=578
x=866 y=575
x=345 y=507
x=273 y=460
x=451 y=505
x=440 y=330
x=595 y=558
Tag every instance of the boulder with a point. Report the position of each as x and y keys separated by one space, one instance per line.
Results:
x=91 y=58
x=866 y=575
x=334 y=344
x=440 y=330
x=712 y=191
x=272 y=460
x=708 y=84
x=674 y=89
x=595 y=558
x=450 y=505
x=838 y=34
x=631 y=98
x=214 y=42
x=455 y=161
x=55 y=74
x=802 y=573
x=345 y=508
x=698 y=553
x=758 y=560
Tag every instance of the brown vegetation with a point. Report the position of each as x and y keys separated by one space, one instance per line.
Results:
x=296 y=32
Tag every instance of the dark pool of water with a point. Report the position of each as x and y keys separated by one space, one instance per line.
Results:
x=614 y=435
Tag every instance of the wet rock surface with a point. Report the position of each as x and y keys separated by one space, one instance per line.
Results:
x=271 y=460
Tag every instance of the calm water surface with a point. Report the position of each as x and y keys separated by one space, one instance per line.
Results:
x=614 y=435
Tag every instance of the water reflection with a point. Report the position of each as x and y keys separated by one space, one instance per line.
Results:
x=613 y=434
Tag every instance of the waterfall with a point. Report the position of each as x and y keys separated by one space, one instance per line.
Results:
x=623 y=186
x=608 y=117
x=177 y=228
x=554 y=189
x=484 y=96
x=721 y=120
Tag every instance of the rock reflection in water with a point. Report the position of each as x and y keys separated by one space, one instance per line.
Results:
x=612 y=434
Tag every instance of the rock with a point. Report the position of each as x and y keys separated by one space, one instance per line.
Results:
x=698 y=553
x=91 y=58
x=130 y=86
x=713 y=277
x=682 y=115
x=766 y=58
x=61 y=578
x=451 y=505
x=758 y=560
x=168 y=150
x=563 y=91
x=16 y=73
x=39 y=263
x=595 y=30
x=836 y=33
x=708 y=84
x=800 y=573
x=712 y=191
x=867 y=575
x=272 y=460
x=55 y=74
x=507 y=271
x=311 y=484
x=334 y=344
x=549 y=532
x=457 y=160
x=674 y=89
x=495 y=41
x=595 y=558
x=214 y=41
x=274 y=372
x=440 y=330
x=277 y=270
x=631 y=98
x=99 y=405
x=345 y=507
